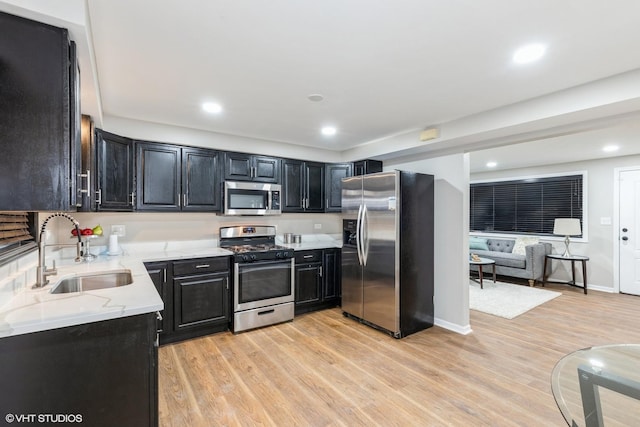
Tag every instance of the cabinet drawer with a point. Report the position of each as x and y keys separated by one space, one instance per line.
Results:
x=201 y=266
x=304 y=257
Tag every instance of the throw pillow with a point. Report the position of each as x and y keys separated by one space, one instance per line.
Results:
x=521 y=242
x=478 y=244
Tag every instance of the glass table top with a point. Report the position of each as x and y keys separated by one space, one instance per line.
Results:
x=604 y=380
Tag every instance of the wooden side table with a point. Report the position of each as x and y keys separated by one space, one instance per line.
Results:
x=480 y=263
x=573 y=259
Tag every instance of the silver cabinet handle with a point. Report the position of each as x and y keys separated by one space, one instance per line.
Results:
x=88 y=176
x=164 y=271
x=320 y=271
x=99 y=197
x=184 y=199
x=203 y=266
x=133 y=198
x=307 y=256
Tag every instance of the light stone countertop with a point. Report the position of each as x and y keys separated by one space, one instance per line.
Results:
x=33 y=310
x=28 y=310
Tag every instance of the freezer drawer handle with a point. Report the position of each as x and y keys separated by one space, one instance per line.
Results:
x=260 y=313
x=203 y=266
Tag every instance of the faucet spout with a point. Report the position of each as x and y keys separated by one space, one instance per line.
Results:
x=42 y=272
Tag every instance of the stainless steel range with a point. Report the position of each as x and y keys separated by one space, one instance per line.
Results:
x=264 y=276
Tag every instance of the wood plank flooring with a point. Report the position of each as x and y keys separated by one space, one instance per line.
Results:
x=323 y=369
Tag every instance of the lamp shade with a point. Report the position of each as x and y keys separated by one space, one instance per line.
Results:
x=567 y=227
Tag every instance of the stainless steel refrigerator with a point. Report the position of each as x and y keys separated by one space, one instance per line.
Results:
x=387 y=251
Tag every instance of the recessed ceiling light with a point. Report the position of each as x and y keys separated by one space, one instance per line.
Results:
x=329 y=130
x=315 y=97
x=211 y=107
x=610 y=148
x=492 y=164
x=529 y=53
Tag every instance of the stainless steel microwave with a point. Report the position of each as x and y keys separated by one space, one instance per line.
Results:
x=251 y=198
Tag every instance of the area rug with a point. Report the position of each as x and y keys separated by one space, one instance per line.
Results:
x=506 y=300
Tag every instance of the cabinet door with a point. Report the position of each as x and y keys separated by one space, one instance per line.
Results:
x=35 y=117
x=333 y=188
x=158 y=273
x=367 y=166
x=114 y=174
x=237 y=167
x=200 y=300
x=292 y=186
x=266 y=169
x=332 y=274
x=314 y=187
x=308 y=283
x=158 y=177
x=247 y=167
x=200 y=180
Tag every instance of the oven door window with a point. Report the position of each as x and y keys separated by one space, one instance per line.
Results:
x=247 y=199
x=259 y=281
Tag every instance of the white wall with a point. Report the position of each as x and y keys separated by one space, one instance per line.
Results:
x=600 y=204
x=451 y=268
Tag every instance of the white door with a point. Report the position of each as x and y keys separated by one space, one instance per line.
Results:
x=630 y=232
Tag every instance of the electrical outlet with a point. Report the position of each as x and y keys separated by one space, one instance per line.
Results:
x=119 y=230
x=317 y=226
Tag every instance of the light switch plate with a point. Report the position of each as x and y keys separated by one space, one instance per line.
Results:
x=118 y=230
x=317 y=226
x=605 y=220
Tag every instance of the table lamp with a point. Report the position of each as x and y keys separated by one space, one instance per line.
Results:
x=567 y=227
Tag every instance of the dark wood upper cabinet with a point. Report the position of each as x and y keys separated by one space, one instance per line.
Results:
x=114 y=172
x=302 y=186
x=200 y=180
x=39 y=117
x=250 y=167
x=158 y=171
x=363 y=167
x=174 y=178
x=334 y=172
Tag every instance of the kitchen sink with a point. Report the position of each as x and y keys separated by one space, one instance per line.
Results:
x=93 y=281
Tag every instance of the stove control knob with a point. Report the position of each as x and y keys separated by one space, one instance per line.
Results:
x=278 y=254
x=244 y=257
x=253 y=257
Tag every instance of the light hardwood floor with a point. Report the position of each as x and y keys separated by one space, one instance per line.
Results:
x=323 y=369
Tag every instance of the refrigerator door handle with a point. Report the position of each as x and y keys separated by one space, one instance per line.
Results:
x=358 y=235
x=365 y=235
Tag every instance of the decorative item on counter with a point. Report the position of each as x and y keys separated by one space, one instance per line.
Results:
x=114 y=248
x=95 y=231
x=287 y=237
x=297 y=238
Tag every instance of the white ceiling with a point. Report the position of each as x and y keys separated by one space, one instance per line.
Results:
x=385 y=67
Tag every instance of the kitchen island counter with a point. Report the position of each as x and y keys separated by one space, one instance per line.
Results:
x=32 y=310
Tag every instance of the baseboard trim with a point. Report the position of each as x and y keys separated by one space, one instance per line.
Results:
x=463 y=330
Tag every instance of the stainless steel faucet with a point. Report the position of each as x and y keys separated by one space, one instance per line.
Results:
x=42 y=271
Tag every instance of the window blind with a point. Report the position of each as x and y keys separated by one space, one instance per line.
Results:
x=527 y=206
x=16 y=234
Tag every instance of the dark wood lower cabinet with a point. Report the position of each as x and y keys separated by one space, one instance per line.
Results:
x=196 y=296
x=318 y=279
x=97 y=374
x=200 y=301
